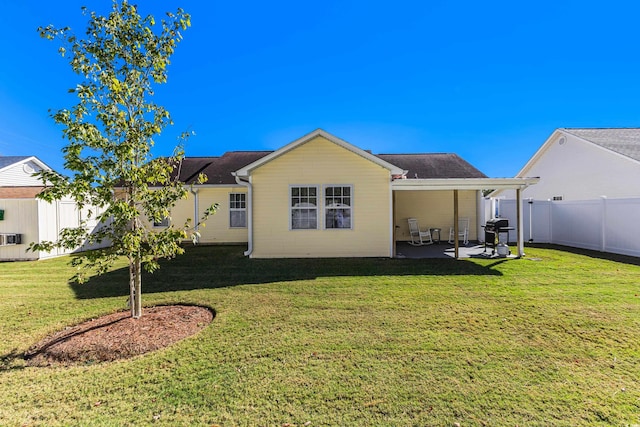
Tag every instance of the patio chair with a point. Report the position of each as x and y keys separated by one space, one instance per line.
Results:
x=418 y=238
x=463 y=231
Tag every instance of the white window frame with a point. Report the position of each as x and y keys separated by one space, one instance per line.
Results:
x=328 y=209
x=299 y=199
x=232 y=209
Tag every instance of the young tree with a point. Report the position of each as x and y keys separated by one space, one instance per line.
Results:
x=111 y=132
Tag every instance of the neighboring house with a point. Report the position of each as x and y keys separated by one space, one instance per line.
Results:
x=588 y=194
x=320 y=196
x=583 y=164
x=23 y=217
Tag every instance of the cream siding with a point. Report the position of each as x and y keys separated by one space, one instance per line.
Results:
x=320 y=162
x=216 y=229
x=434 y=209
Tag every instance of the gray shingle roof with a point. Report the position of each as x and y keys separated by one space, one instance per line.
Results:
x=423 y=166
x=625 y=141
x=218 y=169
x=433 y=165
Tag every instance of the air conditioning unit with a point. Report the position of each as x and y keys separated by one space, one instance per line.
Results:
x=10 y=239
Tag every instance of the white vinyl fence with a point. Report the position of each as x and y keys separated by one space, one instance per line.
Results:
x=607 y=225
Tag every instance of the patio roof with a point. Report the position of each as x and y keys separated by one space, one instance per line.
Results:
x=463 y=183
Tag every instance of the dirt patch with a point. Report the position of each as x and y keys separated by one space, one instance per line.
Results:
x=118 y=336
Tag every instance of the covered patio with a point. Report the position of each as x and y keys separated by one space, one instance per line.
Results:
x=454 y=186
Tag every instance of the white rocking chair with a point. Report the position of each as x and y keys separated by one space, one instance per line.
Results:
x=418 y=238
x=463 y=231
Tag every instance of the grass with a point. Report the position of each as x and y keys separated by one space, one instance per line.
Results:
x=547 y=340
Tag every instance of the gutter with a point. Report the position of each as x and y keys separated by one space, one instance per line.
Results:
x=249 y=212
x=196 y=209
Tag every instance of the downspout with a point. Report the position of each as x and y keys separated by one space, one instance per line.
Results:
x=196 y=210
x=249 y=213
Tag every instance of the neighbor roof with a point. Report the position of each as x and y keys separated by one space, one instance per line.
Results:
x=10 y=160
x=625 y=141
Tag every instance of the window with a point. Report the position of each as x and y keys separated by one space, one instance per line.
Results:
x=163 y=223
x=337 y=206
x=237 y=210
x=304 y=208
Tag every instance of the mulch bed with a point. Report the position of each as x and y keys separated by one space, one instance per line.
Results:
x=118 y=336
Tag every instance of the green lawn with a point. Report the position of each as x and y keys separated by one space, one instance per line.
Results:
x=552 y=339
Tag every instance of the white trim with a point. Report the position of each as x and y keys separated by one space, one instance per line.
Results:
x=324 y=206
x=201 y=186
x=249 y=186
x=463 y=183
x=238 y=209
x=317 y=206
x=245 y=171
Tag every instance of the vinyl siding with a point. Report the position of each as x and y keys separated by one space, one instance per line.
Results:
x=216 y=229
x=320 y=162
x=20 y=216
x=433 y=209
x=16 y=176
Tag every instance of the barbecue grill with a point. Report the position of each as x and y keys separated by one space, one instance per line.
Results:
x=493 y=228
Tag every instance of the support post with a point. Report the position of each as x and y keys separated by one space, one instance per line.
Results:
x=455 y=224
x=520 y=223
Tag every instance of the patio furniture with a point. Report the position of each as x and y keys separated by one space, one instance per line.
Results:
x=435 y=235
x=418 y=237
x=463 y=231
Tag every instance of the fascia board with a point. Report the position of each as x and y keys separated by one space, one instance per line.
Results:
x=463 y=183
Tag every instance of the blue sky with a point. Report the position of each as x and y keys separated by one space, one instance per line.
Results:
x=468 y=77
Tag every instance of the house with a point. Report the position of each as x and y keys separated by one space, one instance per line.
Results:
x=320 y=196
x=584 y=164
x=23 y=217
x=587 y=195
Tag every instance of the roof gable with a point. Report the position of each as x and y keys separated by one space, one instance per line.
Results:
x=622 y=141
x=7 y=162
x=246 y=170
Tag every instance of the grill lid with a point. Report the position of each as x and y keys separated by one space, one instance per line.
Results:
x=496 y=223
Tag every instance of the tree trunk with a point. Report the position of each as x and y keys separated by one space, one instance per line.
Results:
x=135 y=287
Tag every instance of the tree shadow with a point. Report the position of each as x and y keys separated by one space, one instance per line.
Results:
x=14 y=360
x=210 y=267
x=625 y=259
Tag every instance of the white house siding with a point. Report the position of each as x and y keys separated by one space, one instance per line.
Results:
x=19 y=176
x=20 y=216
x=580 y=170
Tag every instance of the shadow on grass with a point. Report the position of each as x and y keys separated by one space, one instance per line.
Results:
x=210 y=267
x=626 y=259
